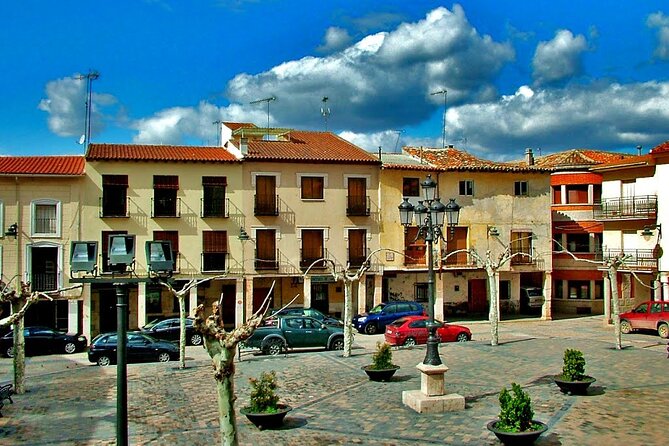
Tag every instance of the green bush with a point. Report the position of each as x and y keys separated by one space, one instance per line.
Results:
x=383 y=358
x=263 y=395
x=574 y=365
x=515 y=410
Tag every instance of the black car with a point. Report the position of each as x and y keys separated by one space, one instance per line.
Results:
x=43 y=341
x=140 y=347
x=309 y=312
x=168 y=329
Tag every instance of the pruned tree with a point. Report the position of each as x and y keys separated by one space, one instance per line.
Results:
x=183 y=313
x=222 y=347
x=21 y=300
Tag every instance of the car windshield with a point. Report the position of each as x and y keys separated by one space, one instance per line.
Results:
x=152 y=323
x=398 y=322
x=535 y=292
x=377 y=309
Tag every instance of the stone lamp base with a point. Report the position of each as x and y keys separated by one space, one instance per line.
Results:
x=431 y=398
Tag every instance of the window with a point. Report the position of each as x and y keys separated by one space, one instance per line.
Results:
x=421 y=293
x=411 y=187
x=312 y=247
x=579 y=289
x=114 y=196
x=521 y=247
x=266 y=255
x=577 y=194
x=520 y=188
x=558 y=290
x=456 y=241
x=165 y=189
x=557 y=194
x=505 y=289
x=104 y=251
x=46 y=218
x=578 y=242
x=214 y=250
x=153 y=299
x=173 y=237
x=312 y=188
x=466 y=187
x=414 y=248
x=266 y=199
x=357 y=197
x=213 y=196
x=357 y=247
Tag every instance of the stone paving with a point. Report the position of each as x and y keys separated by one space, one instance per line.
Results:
x=335 y=404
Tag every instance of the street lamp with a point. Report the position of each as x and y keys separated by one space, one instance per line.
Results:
x=429 y=215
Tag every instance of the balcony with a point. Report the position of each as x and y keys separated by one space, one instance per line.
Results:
x=459 y=260
x=166 y=207
x=307 y=261
x=267 y=264
x=641 y=207
x=522 y=258
x=356 y=259
x=414 y=254
x=357 y=206
x=638 y=259
x=266 y=205
x=44 y=281
x=214 y=208
x=112 y=208
x=214 y=262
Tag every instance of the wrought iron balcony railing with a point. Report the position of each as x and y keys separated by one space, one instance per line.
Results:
x=626 y=208
x=357 y=205
x=266 y=205
x=635 y=259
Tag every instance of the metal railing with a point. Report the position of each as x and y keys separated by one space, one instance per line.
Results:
x=112 y=209
x=356 y=260
x=306 y=262
x=46 y=225
x=459 y=260
x=357 y=205
x=214 y=261
x=214 y=208
x=643 y=259
x=266 y=204
x=637 y=207
x=267 y=263
x=166 y=207
x=44 y=281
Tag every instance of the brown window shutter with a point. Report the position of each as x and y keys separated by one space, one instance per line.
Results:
x=214 y=241
x=165 y=182
x=171 y=236
x=115 y=180
x=214 y=181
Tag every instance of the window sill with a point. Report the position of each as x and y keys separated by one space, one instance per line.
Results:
x=45 y=235
x=313 y=199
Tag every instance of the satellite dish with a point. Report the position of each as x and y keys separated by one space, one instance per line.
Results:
x=82 y=139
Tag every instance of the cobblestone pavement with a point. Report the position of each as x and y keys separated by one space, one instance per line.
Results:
x=70 y=402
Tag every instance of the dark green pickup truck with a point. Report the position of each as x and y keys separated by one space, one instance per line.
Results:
x=295 y=332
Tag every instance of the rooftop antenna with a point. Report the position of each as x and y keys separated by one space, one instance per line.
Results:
x=638 y=150
x=325 y=111
x=399 y=132
x=219 y=132
x=443 y=133
x=268 y=100
x=90 y=77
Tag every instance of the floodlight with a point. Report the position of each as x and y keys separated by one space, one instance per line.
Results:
x=121 y=251
x=159 y=256
x=83 y=257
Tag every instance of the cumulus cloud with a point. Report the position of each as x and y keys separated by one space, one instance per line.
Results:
x=66 y=106
x=335 y=39
x=385 y=79
x=602 y=116
x=661 y=22
x=388 y=140
x=559 y=58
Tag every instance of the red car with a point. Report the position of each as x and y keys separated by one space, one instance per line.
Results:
x=651 y=315
x=412 y=330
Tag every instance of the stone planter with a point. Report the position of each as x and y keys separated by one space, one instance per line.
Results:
x=517 y=438
x=380 y=375
x=574 y=387
x=267 y=420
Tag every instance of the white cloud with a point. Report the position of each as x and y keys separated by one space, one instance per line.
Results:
x=661 y=22
x=559 y=58
x=335 y=39
x=602 y=116
x=385 y=79
x=66 y=106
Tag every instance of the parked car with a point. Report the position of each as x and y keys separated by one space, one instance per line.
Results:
x=43 y=340
x=293 y=332
x=168 y=330
x=309 y=312
x=651 y=315
x=412 y=330
x=140 y=347
x=531 y=299
x=377 y=318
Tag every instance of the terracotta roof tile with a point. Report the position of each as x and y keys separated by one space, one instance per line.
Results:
x=662 y=148
x=307 y=146
x=458 y=160
x=42 y=165
x=403 y=161
x=238 y=125
x=579 y=158
x=629 y=161
x=140 y=152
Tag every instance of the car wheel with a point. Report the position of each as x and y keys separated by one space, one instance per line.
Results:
x=196 y=339
x=104 y=361
x=625 y=327
x=371 y=329
x=9 y=352
x=337 y=344
x=663 y=330
x=164 y=357
x=70 y=348
x=274 y=347
x=409 y=342
x=462 y=337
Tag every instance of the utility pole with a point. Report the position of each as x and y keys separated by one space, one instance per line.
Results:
x=325 y=111
x=443 y=133
x=90 y=77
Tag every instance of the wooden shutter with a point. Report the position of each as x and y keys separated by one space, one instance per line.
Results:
x=214 y=241
x=266 y=243
x=312 y=243
x=266 y=185
x=171 y=236
x=165 y=182
x=357 y=239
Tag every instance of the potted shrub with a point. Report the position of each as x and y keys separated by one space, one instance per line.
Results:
x=515 y=425
x=573 y=378
x=264 y=409
x=382 y=367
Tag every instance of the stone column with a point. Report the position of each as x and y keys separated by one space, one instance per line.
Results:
x=73 y=316
x=607 y=299
x=439 y=297
x=141 y=304
x=378 y=286
x=547 y=308
x=239 y=301
x=362 y=294
x=87 y=321
x=307 y=292
x=192 y=301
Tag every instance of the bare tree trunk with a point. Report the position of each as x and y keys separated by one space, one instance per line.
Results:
x=494 y=314
x=182 y=330
x=19 y=348
x=613 y=278
x=348 y=324
x=223 y=360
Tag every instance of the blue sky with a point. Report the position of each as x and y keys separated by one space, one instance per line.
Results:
x=551 y=75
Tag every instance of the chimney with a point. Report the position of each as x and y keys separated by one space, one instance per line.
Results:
x=529 y=157
x=638 y=150
x=450 y=146
x=244 y=145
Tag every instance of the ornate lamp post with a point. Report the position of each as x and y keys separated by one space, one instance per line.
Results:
x=430 y=220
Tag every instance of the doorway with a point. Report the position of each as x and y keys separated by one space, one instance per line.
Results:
x=319 y=297
x=477 y=296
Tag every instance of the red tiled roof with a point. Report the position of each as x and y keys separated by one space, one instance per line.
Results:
x=579 y=157
x=238 y=125
x=306 y=146
x=139 y=152
x=630 y=161
x=454 y=159
x=662 y=148
x=42 y=165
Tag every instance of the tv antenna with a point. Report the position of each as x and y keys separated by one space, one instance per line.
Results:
x=399 y=132
x=443 y=132
x=268 y=100
x=325 y=111
x=90 y=77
